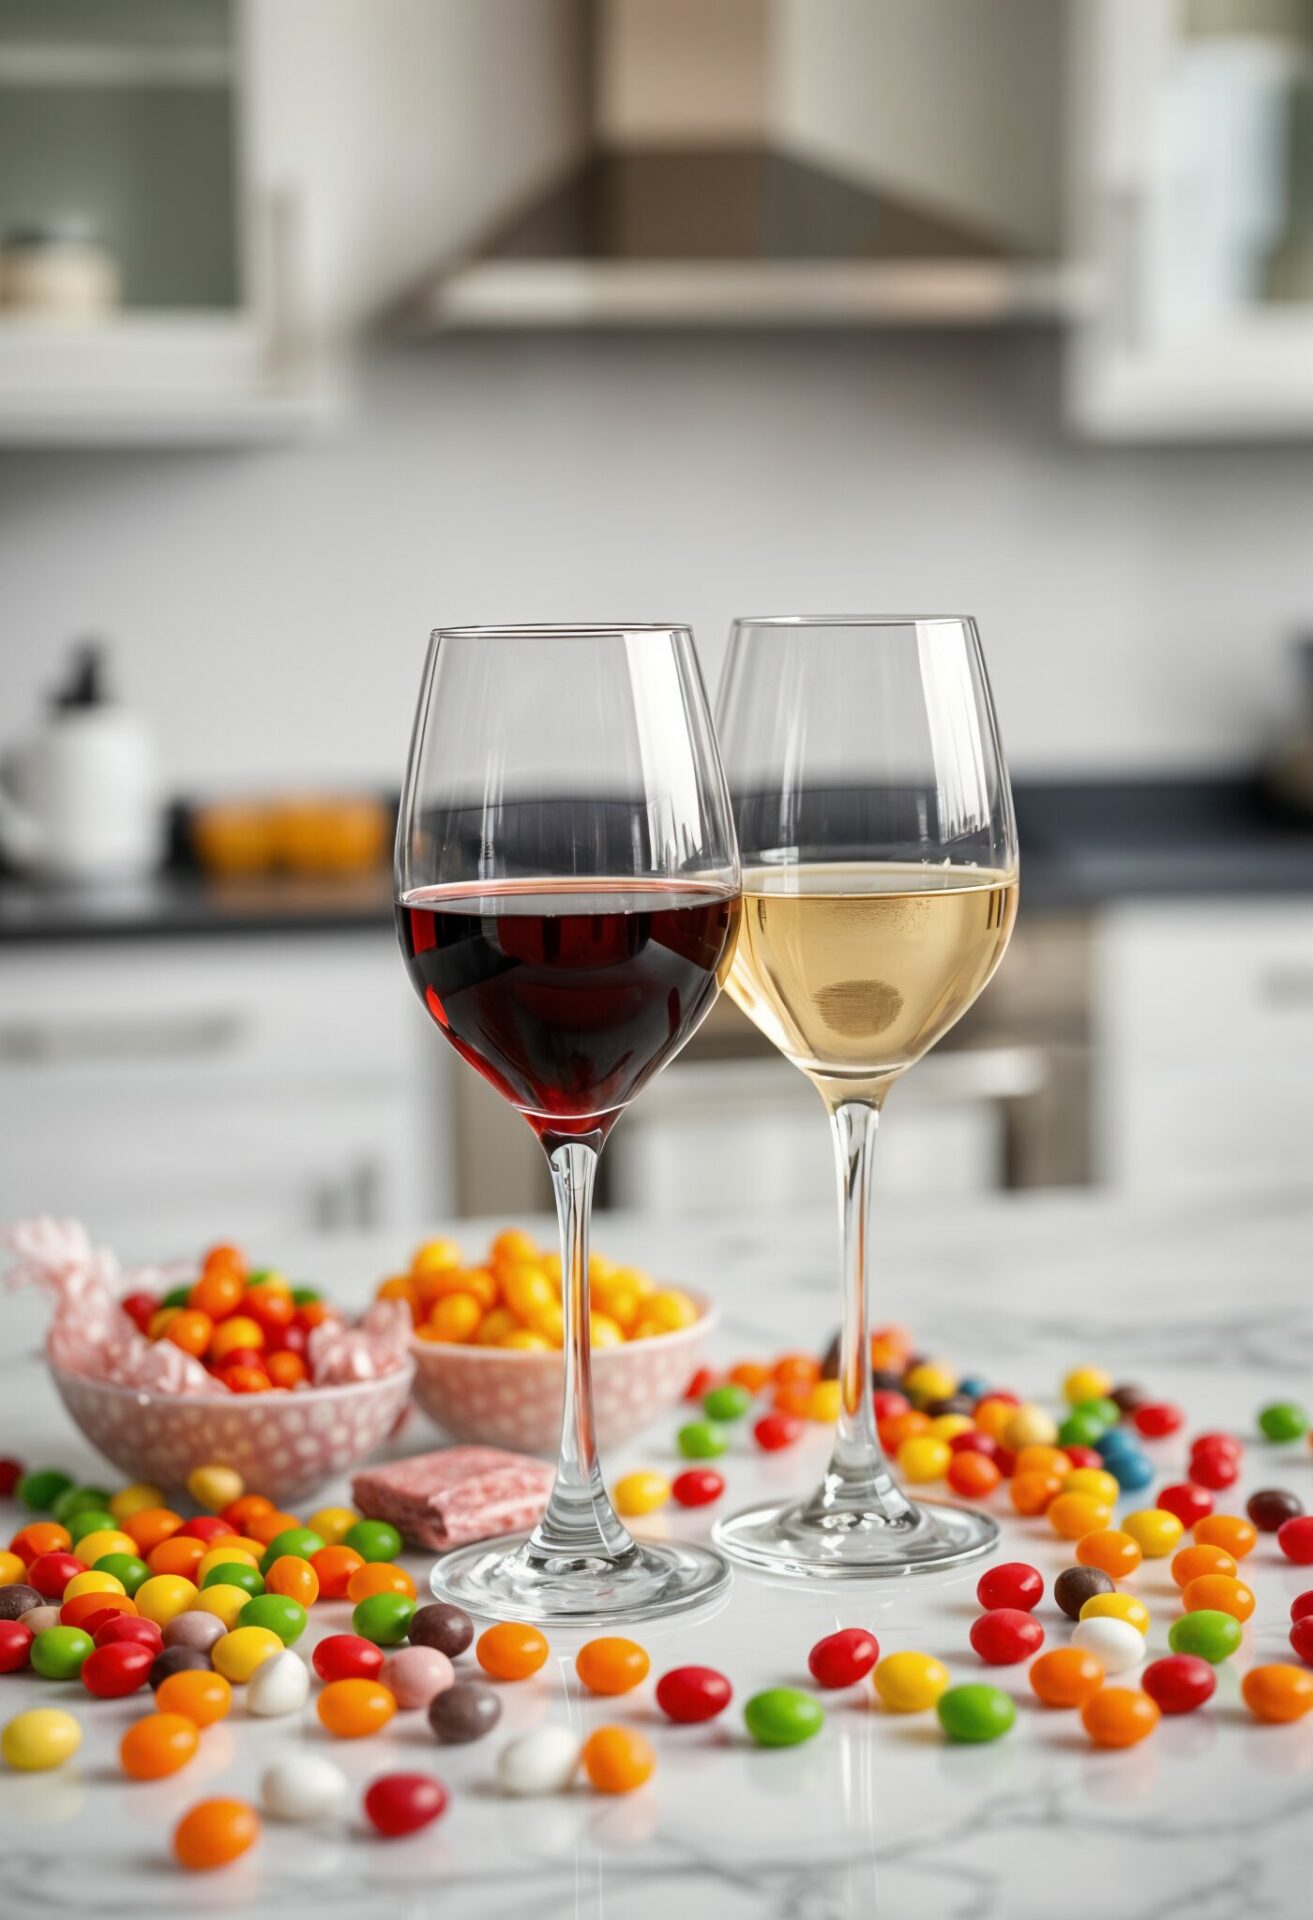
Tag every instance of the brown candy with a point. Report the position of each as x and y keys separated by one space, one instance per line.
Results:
x=193 y=1629
x=464 y=1712
x=19 y=1599
x=177 y=1660
x=449 y=1629
x=1271 y=1507
x=1075 y=1585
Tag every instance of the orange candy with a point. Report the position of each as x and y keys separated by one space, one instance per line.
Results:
x=1065 y=1677
x=1191 y=1562
x=225 y=1254
x=1119 y=1716
x=352 y=1708
x=296 y=1579
x=611 y=1665
x=150 y=1526
x=180 y=1553
x=333 y=1568
x=379 y=1576
x=239 y=1330
x=1074 y=1515
x=511 y=1650
x=750 y=1374
x=199 y=1696
x=42 y=1536
x=287 y=1369
x=792 y=1396
x=1111 y=1551
x=617 y=1759
x=251 y=1505
x=992 y=1416
x=158 y=1745
x=1279 y=1692
x=1228 y=1531
x=213 y=1832
x=796 y=1370
x=77 y=1611
x=265 y=1527
x=1037 y=1459
x=1221 y=1593
x=190 y=1330
x=973 y=1475
x=1032 y=1493
x=217 y=1292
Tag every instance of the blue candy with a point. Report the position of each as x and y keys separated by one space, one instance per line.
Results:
x=973 y=1387
x=1131 y=1470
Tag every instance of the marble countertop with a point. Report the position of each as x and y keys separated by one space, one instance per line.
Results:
x=1211 y=1818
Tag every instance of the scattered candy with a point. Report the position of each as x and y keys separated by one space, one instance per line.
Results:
x=303 y=1786
x=41 y=1738
x=1179 y=1682
x=698 y=1487
x=443 y=1626
x=1119 y=1716
x=783 y=1717
x=1117 y=1606
x=617 y=1759
x=701 y=1440
x=1228 y=1531
x=1188 y=1502
x=1191 y=1562
x=1212 y=1635
x=1295 y=1539
x=909 y=1682
x=1074 y=1586
x=216 y=1487
x=772 y=1433
x=1066 y=1676
x=346 y=1656
x=1116 y=1644
x=511 y=1650
x=15 y=1645
x=544 y=1761
x=1271 y=1507
x=199 y=1631
x=1278 y=1692
x=279 y=1685
x=1220 y=1591
x=1283 y=1420
x=609 y=1665
x=842 y=1659
x=157 y=1745
x=215 y=1832
x=177 y=1660
x=690 y=1695
x=352 y=1708
x=118 y=1668
x=637 y=1493
x=199 y=1697
x=416 y=1675
x=239 y=1653
x=1155 y=1531
x=1005 y=1635
x=1115 y=1553
x=58 y=1652
x=464 y=1712
x=400 y=1803
x=974 y=1713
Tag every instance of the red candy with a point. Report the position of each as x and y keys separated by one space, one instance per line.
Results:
x=1179 y=1682
x=1188 y=1502
x=1301 y=1637
x=1013 y=1585
x=15 y=1640
x=130 y=1629
x=1217 y=1442
x=776 y=1430
x=1084 y=1457
x=691 y=1694
x=1214 y=1467
x=1302 y=1605
x=1157 y=1418
x=11 y=1472
x=1295 y=1539
x=1005 y=1635
x=703 y=1380
x=400 y=1803
x=973 y=1442
x=207 y=1527
x=140 y=1309
x=50 y=1573
x=889 y=1403
x=119 y=1667
x=842 y=1659
x=346 y=1656
x=698 y=1487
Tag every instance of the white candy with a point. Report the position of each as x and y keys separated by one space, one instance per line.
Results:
x=544 y=1761
x=1115 y=1643
x=280 y=1685
x=304 y=1786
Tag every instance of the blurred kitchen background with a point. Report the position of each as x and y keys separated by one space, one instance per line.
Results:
x=323 y=321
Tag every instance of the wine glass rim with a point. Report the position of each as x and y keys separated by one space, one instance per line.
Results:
x=854 y=620
x=561 y=630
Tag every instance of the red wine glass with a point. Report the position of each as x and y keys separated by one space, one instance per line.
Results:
x=567 y=890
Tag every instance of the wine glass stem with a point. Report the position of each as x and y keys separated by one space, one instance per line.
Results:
x=858 y=1480
x=580 y=1522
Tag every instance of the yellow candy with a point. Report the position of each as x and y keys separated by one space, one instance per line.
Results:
x=825 y=1401
x=163 y=1596
x=670 y=1309
x=216 y=1487
x=1029 y=1426
x=947 y=1426
x=332 y=1524
x=909 y=1682
x=39 y=1739
x=1086 y=1383
x=92 y=1582
x=1155 y=1531
x=1092 y=1480
x=525 y=1340
x=226 y=1555
x=923 y=1458
x=135 y=1499
x=240 y=1652
x=435 y=1256
x=604 y=1331
x=13 y=1570
x=1117 y=1606
x=641 y=1492
x=494 y=1327
x=527 y=1290
x=94 y=1546
x=1073 y=1515
x=930 y=1381
x=225 y=1603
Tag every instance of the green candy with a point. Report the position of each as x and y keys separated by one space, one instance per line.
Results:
x=729 y=1402
x=1081 y=1428
x=91 y=1520
x=1105 y=1411
x=783 y=1717
x=236 y=1573
x=176 y=1297
x=39 y=1491
x=279 y=1613
x=305 y=1296
x=975 y=1713
x=1283 y=1420
x=1214 y=1636
x=300 y=1541
x=76 y=1500
x=373 y=1540
x=701 y=1440
x=126 y=1568
x=383 y=1618
x=58 y=1653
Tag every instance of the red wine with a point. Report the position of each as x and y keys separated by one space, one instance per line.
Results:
x=568 y=995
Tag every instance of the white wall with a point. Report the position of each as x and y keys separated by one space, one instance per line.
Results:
x=270 y=609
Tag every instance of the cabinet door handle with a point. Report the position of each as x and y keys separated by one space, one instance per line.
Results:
x=183 y=1036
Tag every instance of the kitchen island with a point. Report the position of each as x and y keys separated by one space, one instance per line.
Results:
x=1212 y=1816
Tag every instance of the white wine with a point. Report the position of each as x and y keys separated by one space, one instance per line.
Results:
x=854 y=971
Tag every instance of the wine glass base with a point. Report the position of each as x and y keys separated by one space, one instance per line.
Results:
x=499 y=1579
x=788 y=1540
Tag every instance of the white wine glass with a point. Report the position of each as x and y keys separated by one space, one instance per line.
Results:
x=879 y=856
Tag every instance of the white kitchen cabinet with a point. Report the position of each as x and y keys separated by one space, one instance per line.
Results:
x=1203 y=1045
x=172 y=1092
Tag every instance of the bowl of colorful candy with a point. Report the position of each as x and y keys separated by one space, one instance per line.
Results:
x=168 y=1370
x=487 y=1342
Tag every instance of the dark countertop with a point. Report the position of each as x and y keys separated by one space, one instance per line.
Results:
x=1083 y=844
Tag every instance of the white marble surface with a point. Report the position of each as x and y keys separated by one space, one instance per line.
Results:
x=1211 y=1818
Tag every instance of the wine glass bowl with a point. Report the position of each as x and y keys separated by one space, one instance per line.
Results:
x=879 y=856
x=567 y=892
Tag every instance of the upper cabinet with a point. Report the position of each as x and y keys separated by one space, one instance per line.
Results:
x=1192 y=125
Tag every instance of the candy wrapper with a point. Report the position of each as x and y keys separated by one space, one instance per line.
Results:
x=90 y=1334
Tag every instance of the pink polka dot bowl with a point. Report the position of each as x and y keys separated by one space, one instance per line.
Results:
x=284 y=1445
x=511 y=1397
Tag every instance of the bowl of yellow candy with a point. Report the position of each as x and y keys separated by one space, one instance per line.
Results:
x=487 y=1344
